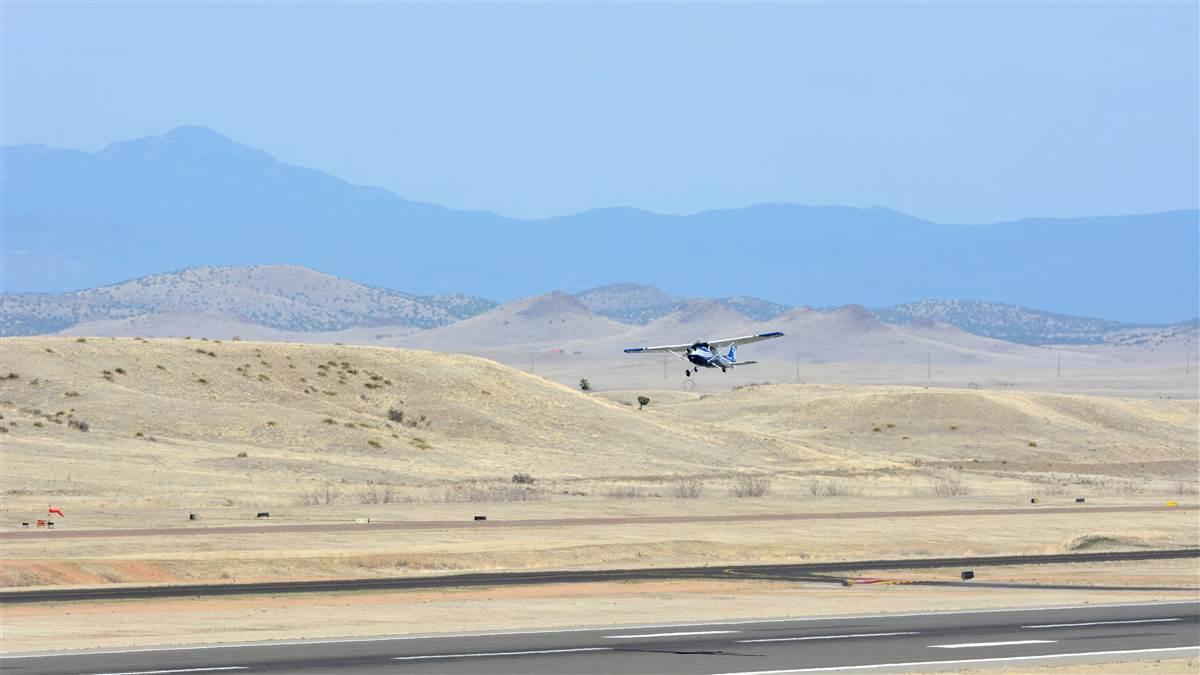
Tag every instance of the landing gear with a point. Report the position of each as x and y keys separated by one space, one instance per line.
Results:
x=688 y=372
x=722 y=370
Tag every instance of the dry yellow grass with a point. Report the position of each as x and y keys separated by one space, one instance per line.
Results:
x=189 y=423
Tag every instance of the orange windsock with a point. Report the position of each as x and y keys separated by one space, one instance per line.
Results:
x=55 y=509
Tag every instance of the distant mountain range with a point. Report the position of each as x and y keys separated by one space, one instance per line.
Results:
x=1017 y=324
x=639 y=304
x=296 y=303
x=192 y=197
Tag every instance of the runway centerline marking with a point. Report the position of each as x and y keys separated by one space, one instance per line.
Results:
x=657 y=635
x=832 y=637
x=997 y=659
x=520 y=653
x=967 y=645
x=213 y=669
x=1100 y=623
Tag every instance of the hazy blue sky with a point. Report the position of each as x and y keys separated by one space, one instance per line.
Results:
x=957 y=112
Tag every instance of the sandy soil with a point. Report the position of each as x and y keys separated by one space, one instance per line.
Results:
x=359 y=552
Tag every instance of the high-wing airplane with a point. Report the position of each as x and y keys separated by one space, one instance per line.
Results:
x=712 y=354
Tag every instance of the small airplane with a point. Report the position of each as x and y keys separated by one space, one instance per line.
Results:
x=711 y=354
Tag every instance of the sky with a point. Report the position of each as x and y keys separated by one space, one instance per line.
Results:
x=955 y=112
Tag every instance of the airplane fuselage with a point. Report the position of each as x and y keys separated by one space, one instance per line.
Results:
x=702 y=355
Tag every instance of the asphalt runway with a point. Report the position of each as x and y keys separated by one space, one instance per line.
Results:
x=876 y=643
x=811 y=572
x=264 y=527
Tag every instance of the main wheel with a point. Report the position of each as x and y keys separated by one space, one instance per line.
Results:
x=688 y=373
x=722 y=370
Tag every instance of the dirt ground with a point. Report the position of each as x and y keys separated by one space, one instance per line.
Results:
x=357 y=551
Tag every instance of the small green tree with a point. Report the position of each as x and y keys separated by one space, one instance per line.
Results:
x=584 y=385
x=643 y=401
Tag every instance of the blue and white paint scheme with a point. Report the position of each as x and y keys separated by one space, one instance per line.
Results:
x=709 y=354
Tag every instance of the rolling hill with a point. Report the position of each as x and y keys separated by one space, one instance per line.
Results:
x=279 y=297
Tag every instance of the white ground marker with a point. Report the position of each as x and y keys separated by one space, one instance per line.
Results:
x=657 y=635
x=1099 y=623
x=481 y=654
x=214 y=669
x=998 y=659
x=831 y=637
x=968 y=645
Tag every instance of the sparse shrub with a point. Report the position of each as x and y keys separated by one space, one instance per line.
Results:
x=420 y=443
x=523 y=479
x=262 y=377
x=120 y=371
x=687 y=488
x=876 y=429
x=372 y=494
x=624 y=492
x=70 y=394
x=329 y=420
x=750 y=486
x=395 y=415
x=643 y=401
x=139 y=435
x=201 y=380
x=584 y=385
x=81 y=339
x=316 y=497
x=242 y=455
x=953 y=427
x=38 y=424
x=476 y=492
x=348 y=425
x=161 y=367
x=891 y=426
x=78 y=424
x=271 y=423
x=951 y=486
x=1033 y=444
x=819 y=488
x=374 y=443
x=11 y=376
x=49 y=351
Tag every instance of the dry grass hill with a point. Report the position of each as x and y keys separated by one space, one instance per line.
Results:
x=553 y=320
x=280 y=297
x=192 y=422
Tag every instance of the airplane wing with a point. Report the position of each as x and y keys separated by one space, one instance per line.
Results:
x=674 y=349
x=721 y=345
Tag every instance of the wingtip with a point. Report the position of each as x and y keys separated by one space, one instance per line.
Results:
x=631 y=350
